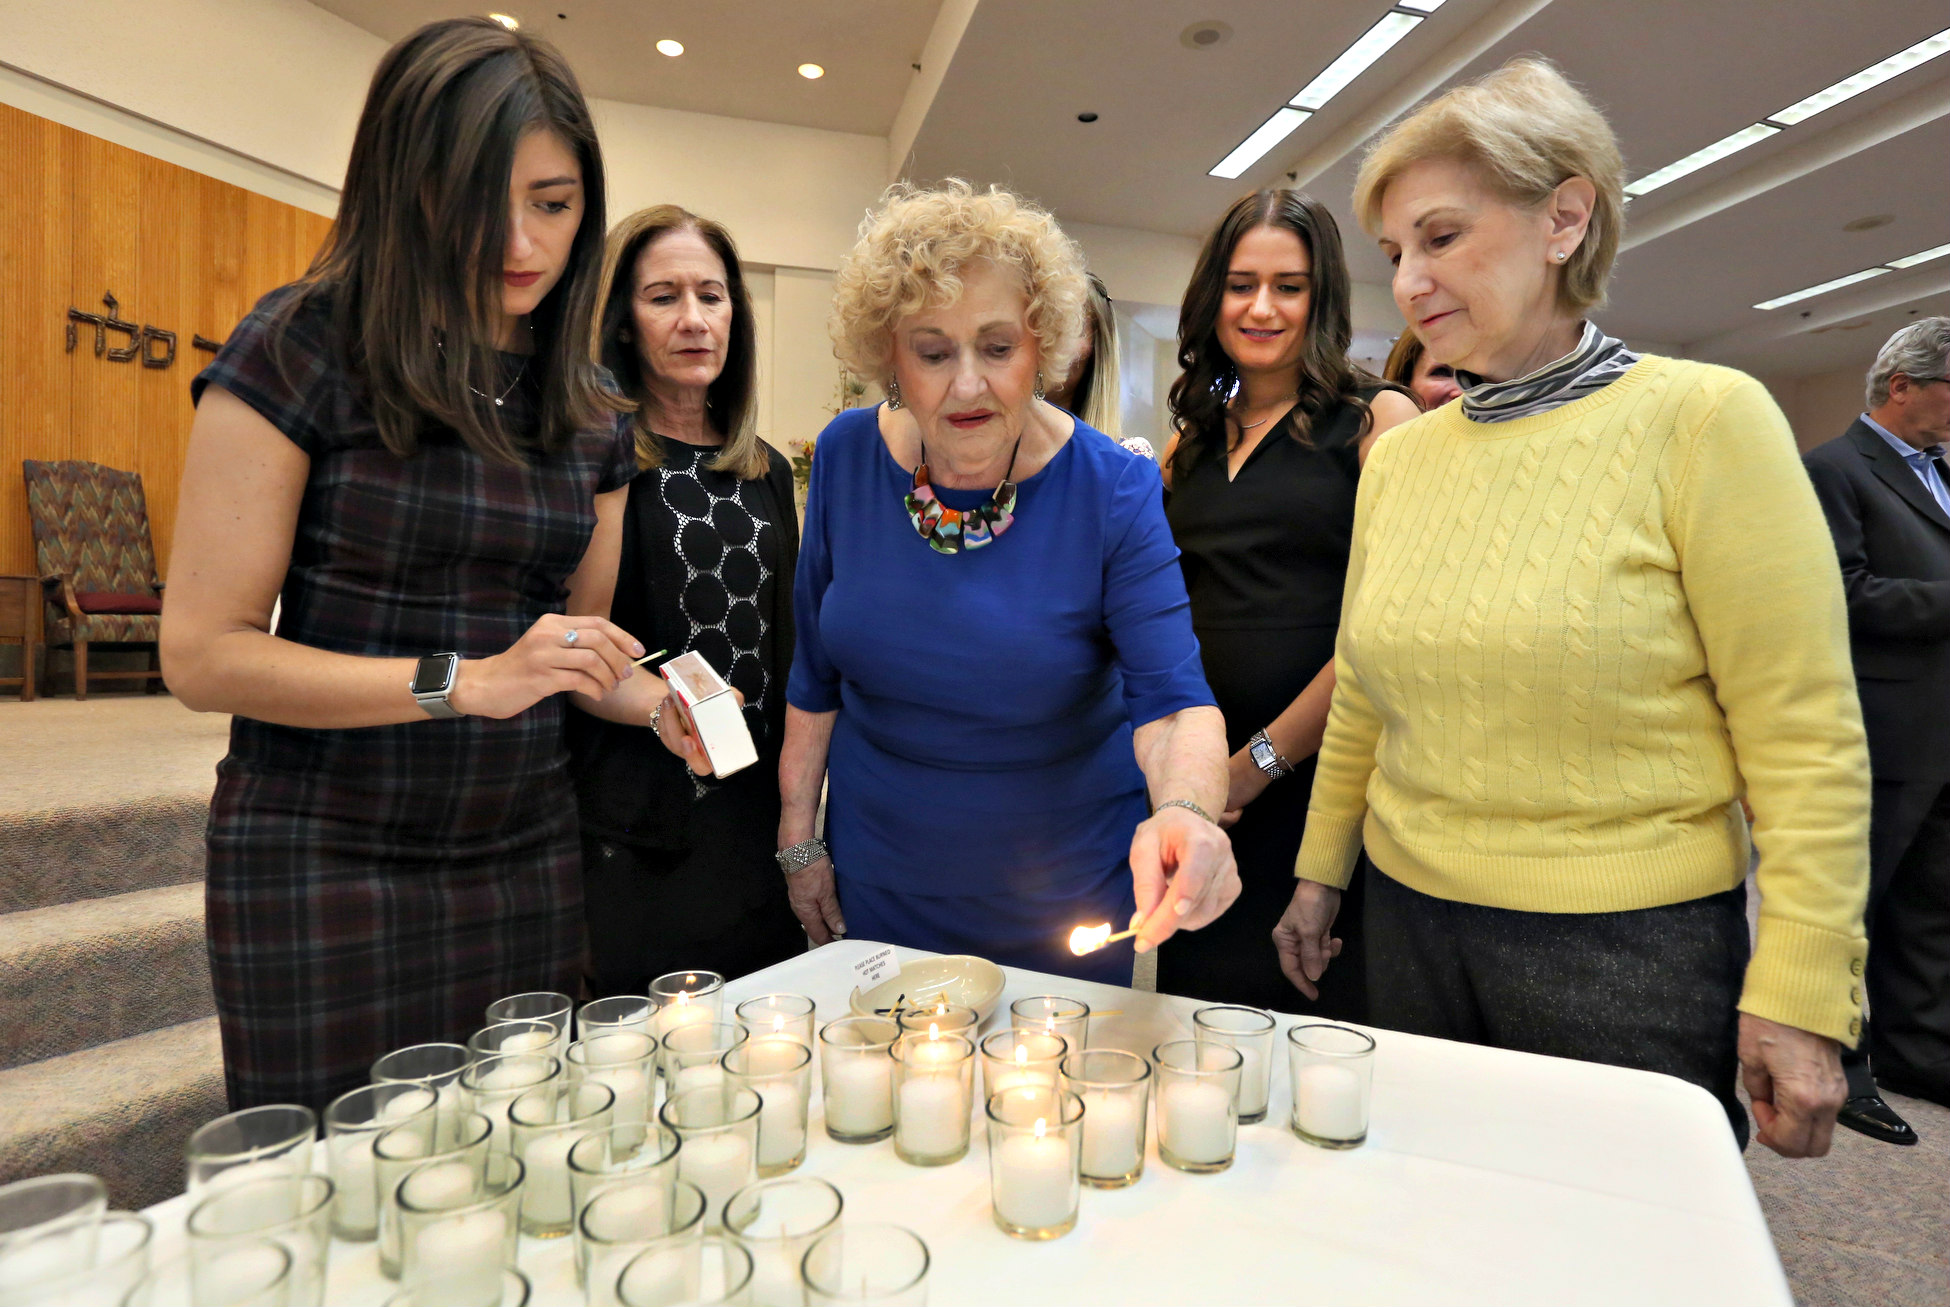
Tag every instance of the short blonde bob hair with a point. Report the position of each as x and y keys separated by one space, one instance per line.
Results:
x=909 y=258
x=1526 y=130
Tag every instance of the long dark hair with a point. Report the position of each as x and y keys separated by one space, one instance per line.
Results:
x=1327 y=376
x=731 y=402
x=412 y=268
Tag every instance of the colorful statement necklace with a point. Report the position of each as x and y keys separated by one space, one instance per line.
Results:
x=949 y=530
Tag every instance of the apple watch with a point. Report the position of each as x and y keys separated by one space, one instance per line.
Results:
x=433 y=681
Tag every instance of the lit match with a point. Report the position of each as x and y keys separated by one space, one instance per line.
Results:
x=1088 y=939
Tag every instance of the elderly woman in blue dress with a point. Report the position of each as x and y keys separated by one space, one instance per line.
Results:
x=996 y=674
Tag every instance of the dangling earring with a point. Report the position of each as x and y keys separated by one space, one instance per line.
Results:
x=893 y=392
x=1039 y=389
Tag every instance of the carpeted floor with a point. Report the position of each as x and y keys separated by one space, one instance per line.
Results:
x=61 y=754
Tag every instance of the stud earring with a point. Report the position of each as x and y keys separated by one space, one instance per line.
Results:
x=893 y=393
x=1562 y=255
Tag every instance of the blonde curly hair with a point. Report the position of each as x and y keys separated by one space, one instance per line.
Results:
x=912 y=249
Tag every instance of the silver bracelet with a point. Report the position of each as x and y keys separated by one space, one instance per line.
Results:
x=657 y=715
x=1187 y=804
x=800 y=856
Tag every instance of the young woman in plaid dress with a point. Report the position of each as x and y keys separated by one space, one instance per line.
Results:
x=411 y=447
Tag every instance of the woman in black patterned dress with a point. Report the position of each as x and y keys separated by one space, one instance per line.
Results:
x=677 y=868
x=413 y=449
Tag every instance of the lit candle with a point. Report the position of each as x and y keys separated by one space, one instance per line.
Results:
x=1111 y=1123
x=1197 y=1122
x=1035 y=1179
x=1021 y=1077
x=1329 y=1099
x=859 y=1093
x=681 y=1011
x=464 y=1255
x=934 y=1116
x=719 y=1163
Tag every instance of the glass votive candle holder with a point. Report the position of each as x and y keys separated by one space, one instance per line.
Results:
x=556 y=1009
x=458 y=1139
x=352 y=1122
x=1115 y=1087
x=293 y=1211
x=1053 y=1015
x=693 y=1054
x=545 y=1129
x=1014 y=1058
x=1251 y=1031
x=1332 y=1072
x=717 y=1130
x=777 y=1220
x=778 y=1068
x=626 y=1061
x=886 y=1265
x=948 y=1018
x=856 y=1066
x=684 y=997
x=642 y=1157
x=504 y=1037
x=256 y=1143
x=619 y=1223
x=1035 y=1148
x=1198 y=1104
x=70 y=1264
x=513 y=1290
x=437 y=1066
x=607 y=1016
x=492 y=1085
x=712 y=1269
x=788 y=1016
x=246 y=1273
x=934 y=1082
x=459 y=1238
x=49 y=1225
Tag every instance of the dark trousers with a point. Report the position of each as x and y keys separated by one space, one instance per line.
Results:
x=1906 y=1043
x=1653 y=989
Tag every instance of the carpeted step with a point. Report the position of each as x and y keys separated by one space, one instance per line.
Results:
x=122 y=1111
x=81 y=974
x=63 y=855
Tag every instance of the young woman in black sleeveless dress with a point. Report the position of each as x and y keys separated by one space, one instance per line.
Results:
x=412 y=447
x=1273 y=423
x=677 y=868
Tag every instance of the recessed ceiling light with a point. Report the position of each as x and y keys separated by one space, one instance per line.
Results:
x=1798 y=112
x=1254 y=147
x=1894 y=265
x=1206 y=35
x=1869 y=223
x=811 y=72
x=1086 y=117
x=508 y=21
x=670 y=47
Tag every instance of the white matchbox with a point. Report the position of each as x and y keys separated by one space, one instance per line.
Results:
x=711 y=711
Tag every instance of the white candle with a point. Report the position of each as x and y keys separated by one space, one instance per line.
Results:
x=441 y=1184
x=1255 y=1080
x=673 y=1277
x=237 y=1273
x=704 y=1075
x=1329 y=1102
x=1110 y=1134
x=529 y=1041
x=632 y=1087
x=719 y=1163
x=933 y=1118
x=463 y=1255
x=245 y=1172
x=781 y=1122
x=775 y=1272
x=356 y=1176
x=629 y=1211
x=859 y=1093
x=545 y=1192
x=1034 y=1180
x=1196 y=1122
x=681 y=1012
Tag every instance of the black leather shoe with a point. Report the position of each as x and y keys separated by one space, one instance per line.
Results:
x=1869 y=1115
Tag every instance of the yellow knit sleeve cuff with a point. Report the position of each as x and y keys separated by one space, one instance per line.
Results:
x=1806 y=977
x=1329 y=849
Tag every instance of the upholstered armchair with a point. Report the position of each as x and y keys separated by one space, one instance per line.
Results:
x=97 y=563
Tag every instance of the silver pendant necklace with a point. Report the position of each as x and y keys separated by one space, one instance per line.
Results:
x=1248 y=426
x=519 y=373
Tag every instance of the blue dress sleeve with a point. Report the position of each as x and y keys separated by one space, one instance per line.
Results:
x=814 y=685
x=1146 y=610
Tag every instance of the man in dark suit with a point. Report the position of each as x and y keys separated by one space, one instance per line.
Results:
x=1886 y=492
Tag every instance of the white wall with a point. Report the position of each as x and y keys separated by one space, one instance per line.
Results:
x=1821 y=406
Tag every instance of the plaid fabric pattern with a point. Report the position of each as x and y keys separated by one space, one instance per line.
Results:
x=91 y=524
x=378 y=887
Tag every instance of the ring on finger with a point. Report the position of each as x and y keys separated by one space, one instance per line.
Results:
x=571 y=636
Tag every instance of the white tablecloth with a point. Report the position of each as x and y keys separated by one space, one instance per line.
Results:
x=1488 y=1176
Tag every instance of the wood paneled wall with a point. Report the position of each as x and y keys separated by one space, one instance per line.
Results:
x=181 y=251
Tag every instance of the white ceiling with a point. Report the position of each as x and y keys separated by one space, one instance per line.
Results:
x=741 y=57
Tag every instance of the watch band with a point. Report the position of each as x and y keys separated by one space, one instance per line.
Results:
x=1266 y=757
x=1186 y=804
x=800 y=856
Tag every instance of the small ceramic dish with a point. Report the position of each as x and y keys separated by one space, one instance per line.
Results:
x=958 y=978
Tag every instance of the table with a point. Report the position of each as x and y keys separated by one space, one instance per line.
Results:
x=1488 y=1176
x=20 y=621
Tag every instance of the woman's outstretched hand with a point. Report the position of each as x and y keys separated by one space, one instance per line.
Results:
x=545 y=661
x=1183 y=873
x=1304 y=936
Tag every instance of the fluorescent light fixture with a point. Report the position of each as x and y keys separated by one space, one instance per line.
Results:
x=1355 y=60
x=1421 y=6
x=1874 y=75
x=1826 y=286
x=1925 y=256
x=1254 y=147
x=670 y=47
x=1698 y=159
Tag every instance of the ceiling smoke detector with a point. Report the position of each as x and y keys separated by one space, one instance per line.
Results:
x=1208 y=35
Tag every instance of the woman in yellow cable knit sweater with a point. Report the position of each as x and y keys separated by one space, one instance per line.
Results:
x=1590 y=607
